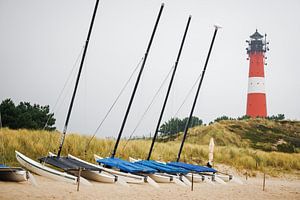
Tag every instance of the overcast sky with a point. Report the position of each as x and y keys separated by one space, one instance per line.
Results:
x=40 y=41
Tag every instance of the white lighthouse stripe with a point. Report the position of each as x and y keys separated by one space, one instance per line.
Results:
x=256 y=85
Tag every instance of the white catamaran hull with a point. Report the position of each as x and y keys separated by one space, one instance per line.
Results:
x=161 y=178
x=200 y=177
x=14 y=174
x=45 y=171
x=129 y=178
x=196 y=178
x=108 y=172
x=225 y=178
x=165 y=178
x=96 y=176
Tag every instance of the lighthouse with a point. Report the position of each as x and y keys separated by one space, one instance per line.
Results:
x=256 y=97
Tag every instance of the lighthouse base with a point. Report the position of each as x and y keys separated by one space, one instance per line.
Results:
x=256 y=105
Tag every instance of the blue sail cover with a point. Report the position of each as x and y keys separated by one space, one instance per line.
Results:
x=126 y=166
x=3 y=166
x=191 y=167
x=162 y=167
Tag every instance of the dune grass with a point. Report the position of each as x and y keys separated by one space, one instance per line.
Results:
x=263 y=134
x=36 y=144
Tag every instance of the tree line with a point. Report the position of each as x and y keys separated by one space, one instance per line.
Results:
x=176 y=125
x=25 y=115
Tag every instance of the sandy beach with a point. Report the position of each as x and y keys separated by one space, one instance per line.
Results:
x=276 y=188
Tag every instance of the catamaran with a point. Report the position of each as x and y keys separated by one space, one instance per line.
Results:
x=128 y=178
x=126 y=166
x=48 y=172
x=68 y=165
x=199 y=171
x=196 y=168
x=163 y=169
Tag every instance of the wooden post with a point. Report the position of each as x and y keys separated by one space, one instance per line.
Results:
x=264 y=182
x=192 y=182
x=246 y=175
x=78 y=178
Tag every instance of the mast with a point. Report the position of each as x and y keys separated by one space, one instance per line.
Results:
x=137 y=82
x=77 y=80
x=197 y=93
x=169 y=88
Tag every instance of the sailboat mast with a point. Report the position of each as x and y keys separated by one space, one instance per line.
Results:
x=169 y=88
x=196 y=96
x=137 y=82
x=77 y=80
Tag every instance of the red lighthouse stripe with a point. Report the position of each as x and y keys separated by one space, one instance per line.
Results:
x=256 y=68
x=256 y=105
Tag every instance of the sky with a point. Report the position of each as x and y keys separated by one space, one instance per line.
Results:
x=40 y=42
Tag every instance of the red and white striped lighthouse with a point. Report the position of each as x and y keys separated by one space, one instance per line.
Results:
x=256 y=99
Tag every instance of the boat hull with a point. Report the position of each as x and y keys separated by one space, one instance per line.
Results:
x=225 y=178
x=112 y=173
x=97 y=176
x=45 y=171
x=196 y=178
x=164 y=177
x=161 y=178
x=12 y=174
x=128 y=177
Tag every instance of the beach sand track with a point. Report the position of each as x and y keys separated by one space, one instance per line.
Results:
x=252 y=189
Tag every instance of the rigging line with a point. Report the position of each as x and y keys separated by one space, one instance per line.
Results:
x=60 y=95
x=152 y=101
x=113 y=104
x=64 y=87
x=184 y=101
x=187 y=96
